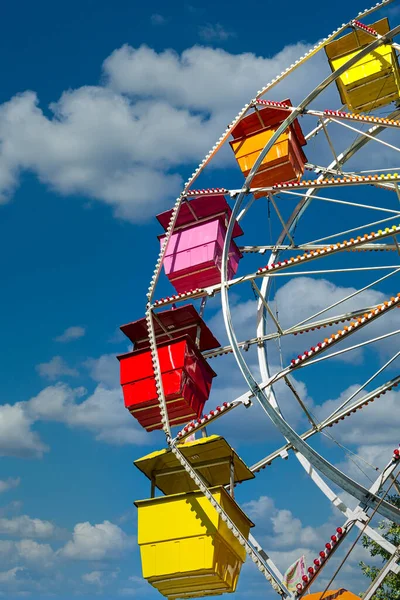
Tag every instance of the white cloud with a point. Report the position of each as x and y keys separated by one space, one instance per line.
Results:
x=373 y=425
x=8 y=484
x=71 y=333
x=204 y=79
x=121 y=142
x=94 y=578
x=157 y=19
x=301 y=297
x=53 y=402
x=365 y=463
x=55 y=368
x=10 y=575
x=104 y=369
x=96 y=542
x=30 y=552
x=89 y=147
x=100 y=578
x=24 y=526
x=215 y=33
x=279 y=528
x=16 y=436
x=102 y=412
x=41 y=555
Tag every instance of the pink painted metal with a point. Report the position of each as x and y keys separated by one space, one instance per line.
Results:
x=194 y=253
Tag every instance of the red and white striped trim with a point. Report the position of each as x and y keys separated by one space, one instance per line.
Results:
x=396 y=454
x=197 y=424
x=274 y=104
x=331 y=249
x=347 y=329
x=318 y=562
x=206 y=192
x=355 y=409
x=176 y=297
x=364 y=27
x=318 y=183
x=362 y=118
x=324 y=326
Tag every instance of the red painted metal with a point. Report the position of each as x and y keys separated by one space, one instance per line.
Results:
x=193 y=256
x=176 y=322
x=271 y=118
x=286 y=159
x=186 y=378
x=204 y=207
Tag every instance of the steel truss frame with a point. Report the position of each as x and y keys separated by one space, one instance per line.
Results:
x=308 y=458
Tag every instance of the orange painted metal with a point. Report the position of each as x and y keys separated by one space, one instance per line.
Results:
x=341 y=594
x=284 y=162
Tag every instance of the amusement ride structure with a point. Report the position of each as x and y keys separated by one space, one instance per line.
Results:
x=194 y=537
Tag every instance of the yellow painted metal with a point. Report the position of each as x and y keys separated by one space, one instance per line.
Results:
x=248 y=149
x=374 y=80
x=186 y=548
x=211 y=456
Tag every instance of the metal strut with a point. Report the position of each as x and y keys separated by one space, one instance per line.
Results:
x=255 y=555
x=348 y=484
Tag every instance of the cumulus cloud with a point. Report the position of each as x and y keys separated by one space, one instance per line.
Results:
x=71 y=333
x=10 y=575
x=55 y=368
x=101 y=413
x=24 y=526
x=100 y=578
x=16 y=435
x=375 y=424
x=215 y=33
x=104 y=369
x=28 y=551
x=280 y=529
x=203 y=79
x=286 y=538
x=32 y=552
x=122 y=142
x=157 y=19
x=300 y=298
x=8 y=484
x=253 y=423
x=94 y=578
x=96 y=542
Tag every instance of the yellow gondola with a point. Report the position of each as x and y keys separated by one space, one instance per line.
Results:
x=374 y=80
x=186 y=548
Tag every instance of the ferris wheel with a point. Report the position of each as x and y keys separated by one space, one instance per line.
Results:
x=319 y=195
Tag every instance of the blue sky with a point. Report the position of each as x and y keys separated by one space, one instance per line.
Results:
x=104 y=110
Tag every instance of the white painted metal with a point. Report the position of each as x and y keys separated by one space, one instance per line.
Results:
x=261 y=559
x=376 y=584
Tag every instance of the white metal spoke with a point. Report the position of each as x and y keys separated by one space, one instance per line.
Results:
x=362 y=387
x=322 y=272
x=263 y=249
x=344 y=202
x=335 y=320
x=348 y=297
x=364 y=226
x=210 y=291
x=350 y=349
x=271 y=197
x=265 y=303
x=330 y=421
x=263 y=392
x=375 y=139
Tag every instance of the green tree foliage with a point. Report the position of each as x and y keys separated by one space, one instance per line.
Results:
x=390 y=590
